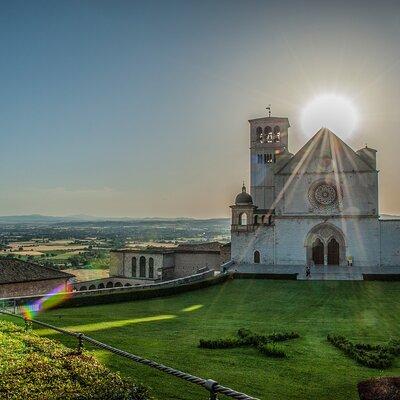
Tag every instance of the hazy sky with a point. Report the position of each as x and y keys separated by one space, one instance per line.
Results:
x=125 y=108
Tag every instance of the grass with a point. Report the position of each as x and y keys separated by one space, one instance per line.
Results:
x=169 y=329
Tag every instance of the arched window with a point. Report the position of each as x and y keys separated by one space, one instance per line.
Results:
x=151 y=267
x=101 y=286
x=109 y=285
x=92 y=287
x=243 y=219
x=83 y=288
x=268 y=134
x=277 y=134
x=256 y=257
x=134 y=266
x=256 y=220
x=118 y=284
x=259 y=134
x=263 y=219
x=142 y=267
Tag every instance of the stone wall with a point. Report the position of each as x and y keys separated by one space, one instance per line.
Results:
x=112 y=282
x=116 y=264
x=245 y=243
x=121 y=264
x=168 y=264
x=30 y=288
x=390 y=243
x=284 y=243
x=359 y=192
x=225 y=254
x=189 y=263
x=361 y=239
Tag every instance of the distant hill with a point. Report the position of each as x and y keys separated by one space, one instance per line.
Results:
x=47 y=219
x=39 y=219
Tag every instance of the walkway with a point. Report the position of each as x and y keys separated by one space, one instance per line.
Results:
x=330 y=272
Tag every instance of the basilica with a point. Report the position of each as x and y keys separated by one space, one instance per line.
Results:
x=318 y=206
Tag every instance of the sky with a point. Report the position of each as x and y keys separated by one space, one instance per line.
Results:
x=127 y=108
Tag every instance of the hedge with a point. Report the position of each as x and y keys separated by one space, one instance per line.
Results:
x=381 y=277
x=371 y=356
x=264 y=343
x=246 y=275
x=272 y=350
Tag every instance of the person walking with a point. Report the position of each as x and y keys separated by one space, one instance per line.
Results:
x=308 y=271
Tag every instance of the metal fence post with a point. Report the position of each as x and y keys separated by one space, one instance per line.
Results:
x=210 y=385
x=28 y=324
x=80 y=343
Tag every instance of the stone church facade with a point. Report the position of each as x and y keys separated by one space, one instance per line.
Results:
x=318 y=206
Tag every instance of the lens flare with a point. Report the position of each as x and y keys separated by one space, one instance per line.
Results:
x=332 y=111
x=50 y=300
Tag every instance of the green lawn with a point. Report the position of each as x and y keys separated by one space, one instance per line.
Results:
x=168 y=330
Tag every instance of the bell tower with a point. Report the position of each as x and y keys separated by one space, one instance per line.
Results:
x=268 y=140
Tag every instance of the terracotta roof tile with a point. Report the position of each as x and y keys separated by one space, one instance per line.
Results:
x=13 y=271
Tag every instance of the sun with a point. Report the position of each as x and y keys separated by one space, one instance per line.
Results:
x=332 y=111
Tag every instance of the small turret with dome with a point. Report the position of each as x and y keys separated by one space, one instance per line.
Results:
x=243 y=198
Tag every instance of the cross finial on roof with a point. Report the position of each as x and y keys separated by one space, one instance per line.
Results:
x=269 y=110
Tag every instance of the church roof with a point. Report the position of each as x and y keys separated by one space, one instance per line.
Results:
x=15 y=271
x=324 y=152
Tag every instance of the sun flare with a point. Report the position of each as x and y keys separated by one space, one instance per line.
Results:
x=332 y=111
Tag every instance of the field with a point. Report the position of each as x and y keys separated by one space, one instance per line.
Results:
x=168 y=330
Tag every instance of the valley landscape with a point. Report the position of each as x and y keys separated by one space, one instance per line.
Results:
x=82 y=246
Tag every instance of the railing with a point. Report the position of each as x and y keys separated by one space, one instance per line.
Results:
x=173 y=282
x=213 y=387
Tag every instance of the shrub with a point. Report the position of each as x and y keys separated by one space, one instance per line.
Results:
x=220 y=343
x=264 y=343
x=272 y=350
x=379 y=388
x=32 y=367
x=371 y=356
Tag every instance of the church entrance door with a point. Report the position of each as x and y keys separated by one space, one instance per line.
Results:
x=318 y=252
x=333 y=252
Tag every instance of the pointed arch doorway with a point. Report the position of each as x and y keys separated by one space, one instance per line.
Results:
x=333 y=252
x=318 y=252
x=325 y=245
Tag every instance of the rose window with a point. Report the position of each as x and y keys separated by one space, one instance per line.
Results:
x=325 y=194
